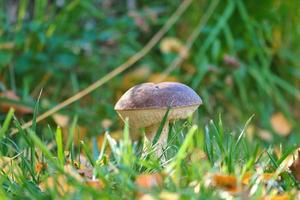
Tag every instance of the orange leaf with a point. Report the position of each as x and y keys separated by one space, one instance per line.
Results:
x=267 y=176
x=97 y=184
x=280 y=124
x=40 y=166
x=246 y=178
x=148 y=181
x=226 y=182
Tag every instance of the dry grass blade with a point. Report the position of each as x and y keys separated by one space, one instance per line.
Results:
x=189 y=43
x=154 y=40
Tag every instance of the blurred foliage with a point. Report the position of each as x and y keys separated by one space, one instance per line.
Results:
x=245 y=61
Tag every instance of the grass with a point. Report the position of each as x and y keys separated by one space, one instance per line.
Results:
x=195 y=157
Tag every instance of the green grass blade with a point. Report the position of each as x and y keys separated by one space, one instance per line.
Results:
x=59 y=144
x=6 y=123
x=87 y=152
x=242 y=133
x=161 y=126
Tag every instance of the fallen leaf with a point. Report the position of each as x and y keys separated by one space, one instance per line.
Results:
x=61 y=120
x=246 y=178
x=19 y=109
x=267 y=176
x=148 y=181
x=97 y=184
x=294 y=166
x=226 y=182
x=280 y=124
x=171 y=45
x=40 y=166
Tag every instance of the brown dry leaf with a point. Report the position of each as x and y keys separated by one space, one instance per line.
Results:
x=40 y=166
x=61 y=120
x=164 y=195
x=295 y=165
x=157 y=76
x=171 y=45
x=97 y=184
x=148 y=181
x=246 y=178
x=267 y=176
x=19 y=109
x=226 y=182
x=280 y=124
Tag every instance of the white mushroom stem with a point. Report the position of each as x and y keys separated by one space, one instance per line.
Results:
x=163 y=139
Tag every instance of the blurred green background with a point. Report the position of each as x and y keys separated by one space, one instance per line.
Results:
x=245 y=61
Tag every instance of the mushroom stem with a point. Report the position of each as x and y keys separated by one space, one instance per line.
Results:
x=163 y=139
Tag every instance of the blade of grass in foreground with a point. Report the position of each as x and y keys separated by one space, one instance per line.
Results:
x=176 y=163
x=6 y=123
x=59 y=144
x=161 y=126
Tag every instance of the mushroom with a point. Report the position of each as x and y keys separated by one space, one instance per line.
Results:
x=146 y=104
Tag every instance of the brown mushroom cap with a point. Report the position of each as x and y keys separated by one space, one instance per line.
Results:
x=147 y=103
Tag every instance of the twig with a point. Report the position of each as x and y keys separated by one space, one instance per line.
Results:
x=132 y=60
x=183 y=54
